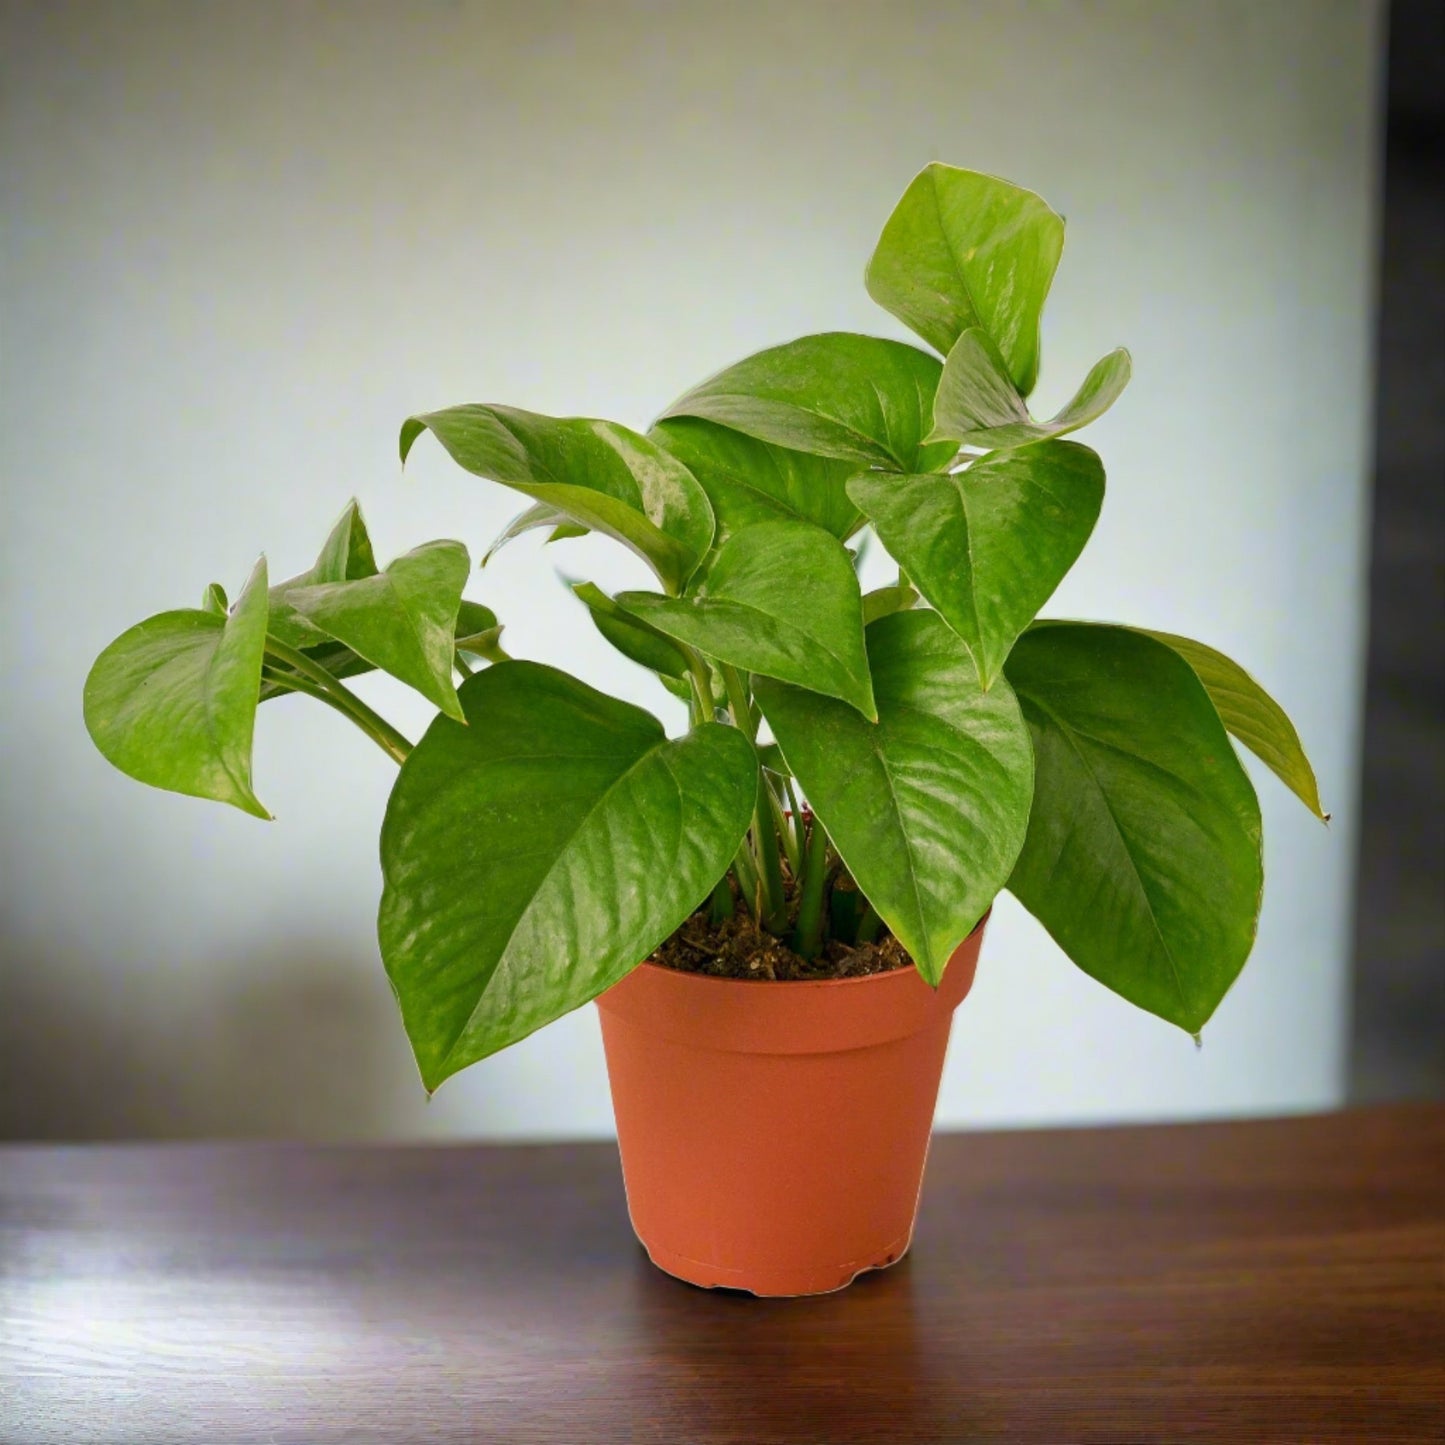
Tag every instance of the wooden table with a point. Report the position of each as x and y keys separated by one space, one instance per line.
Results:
x=1278 y=1280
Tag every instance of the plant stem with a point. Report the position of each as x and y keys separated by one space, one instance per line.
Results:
x=808 y=934
x=701 y=687
x=293 y=683
x=869 y=925
x=746 y=869
x=720 y=909
x=738 y=704
x=791 y=849
x=770 y=868
x=370 y=721
x=462 y=665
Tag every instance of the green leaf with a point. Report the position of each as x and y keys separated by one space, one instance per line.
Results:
x=782 y=600
x=473 y=618
x=534 y=857
x=751 y=481
x=856 y=398
x=1143 y=852
x=633 y=638
x=594 y=473
x=977 y=405
x=539 y=514
x=172 y=702
x=928 y=806
x=987 y=546
x=403 y=620
x=345 y=556
x=478 y=632
x=1253 y=716
x=963 y=249
x=214 y=600
x=898 y=597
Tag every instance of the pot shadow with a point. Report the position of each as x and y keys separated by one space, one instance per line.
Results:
x=724 y=1365
x=294 y=1042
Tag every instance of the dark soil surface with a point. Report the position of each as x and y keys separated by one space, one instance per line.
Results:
x=738 y=948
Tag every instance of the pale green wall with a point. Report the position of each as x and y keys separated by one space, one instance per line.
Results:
x=241 y=241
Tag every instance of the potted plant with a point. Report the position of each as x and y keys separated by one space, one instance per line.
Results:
x=778 y=909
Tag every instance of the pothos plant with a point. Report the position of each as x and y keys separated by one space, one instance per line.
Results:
x=920 y=747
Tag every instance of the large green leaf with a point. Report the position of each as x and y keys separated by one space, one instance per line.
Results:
x=856 y=398
x=596 y=473
x=750 y=481
x=631 y=636
x=928 y=806
x=1143 y=852
x=172 y=701
x=987 y=546
x=782 y=600
x=402 y=620
x=534 y=857
x=963 y=249
x=345 y=556
x=1253 y=716
x=978 y=406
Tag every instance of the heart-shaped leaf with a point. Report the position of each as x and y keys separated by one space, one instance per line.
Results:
x=987 y=546
x=781 y=600
x=631 y=636
x=857 y=398
x=928 y=806
x=978 y=406
x=172 y=701
x=750 y=481
x=345 y=556
x=1143 y=852
x=595 y=473
x=534 y=857
x=1253 y=716
x=403 y=620
x=963 y=249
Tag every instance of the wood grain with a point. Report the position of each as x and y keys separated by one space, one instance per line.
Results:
x=1262 y=1281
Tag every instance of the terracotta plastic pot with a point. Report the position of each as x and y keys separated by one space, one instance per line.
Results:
x=773 y=1135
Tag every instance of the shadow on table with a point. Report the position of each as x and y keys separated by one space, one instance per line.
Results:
x=722 y=1365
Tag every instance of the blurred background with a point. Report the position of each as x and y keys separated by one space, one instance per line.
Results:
x=242 y=241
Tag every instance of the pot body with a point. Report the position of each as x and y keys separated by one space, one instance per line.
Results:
x=773 y=1135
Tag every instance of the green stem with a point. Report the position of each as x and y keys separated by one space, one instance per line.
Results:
x=462 y=665
x=738 y=704
x=784 y=824
x=869 y=925
x=808 y=935
x=775 y=896
x=701 y=687
x=370 y=721
x=293 y=683
x=720 y=909
x=746 y=869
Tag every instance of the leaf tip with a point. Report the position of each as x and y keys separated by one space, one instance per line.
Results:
x=411 y=429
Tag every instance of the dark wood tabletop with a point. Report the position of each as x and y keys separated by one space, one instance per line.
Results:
x=1270 y=1280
